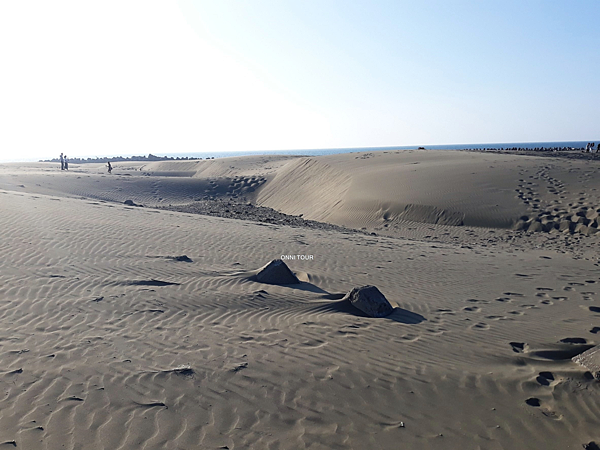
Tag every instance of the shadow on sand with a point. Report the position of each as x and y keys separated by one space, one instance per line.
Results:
x=344 y=306
x=302 y=286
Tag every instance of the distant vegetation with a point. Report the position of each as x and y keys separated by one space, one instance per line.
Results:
x=150 y=157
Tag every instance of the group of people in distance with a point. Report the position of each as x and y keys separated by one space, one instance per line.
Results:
x=64 y=162
x=589 y=148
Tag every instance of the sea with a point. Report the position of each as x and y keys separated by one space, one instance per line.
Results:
x=333 y=151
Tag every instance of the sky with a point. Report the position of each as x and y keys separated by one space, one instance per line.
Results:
x=123 y=77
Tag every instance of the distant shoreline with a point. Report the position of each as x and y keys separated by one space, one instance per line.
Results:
x=554 y=151
x=571 y=146
x=104 y=159
x=568 y=154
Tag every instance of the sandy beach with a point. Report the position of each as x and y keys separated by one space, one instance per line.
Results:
x=141 y=325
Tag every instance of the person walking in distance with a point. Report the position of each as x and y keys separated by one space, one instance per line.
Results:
x=62 y=162
x=66 y=163
x=109 y=167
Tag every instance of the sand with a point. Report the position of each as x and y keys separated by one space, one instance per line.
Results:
x=111 y=339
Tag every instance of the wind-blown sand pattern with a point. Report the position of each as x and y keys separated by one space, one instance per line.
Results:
x=111 y=339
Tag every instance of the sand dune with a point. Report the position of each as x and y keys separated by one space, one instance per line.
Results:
x=309 y=187
x=381 y=191
x=111 y=339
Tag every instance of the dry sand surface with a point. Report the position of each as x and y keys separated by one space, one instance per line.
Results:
x=111 y=339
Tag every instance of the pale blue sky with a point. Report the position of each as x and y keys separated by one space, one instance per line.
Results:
x=123 y=76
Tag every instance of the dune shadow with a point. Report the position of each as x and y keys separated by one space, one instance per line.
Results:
x=405 y=316
x=309 y=287
x=302 y=286
x=561 y=354
x=399 y=315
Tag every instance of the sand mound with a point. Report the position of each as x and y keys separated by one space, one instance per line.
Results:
x=384 y=189
x=245 y=166
x=276 y=272
x=369 y=300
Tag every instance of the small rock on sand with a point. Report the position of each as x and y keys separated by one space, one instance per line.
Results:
x=182 y=258
x=590 y=359
x=276 y=272
x=369 y=300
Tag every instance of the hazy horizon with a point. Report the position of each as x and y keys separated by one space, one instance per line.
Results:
x=312 y=152
x=134 y=77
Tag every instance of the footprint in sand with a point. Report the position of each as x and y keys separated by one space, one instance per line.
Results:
x=410 y=337
x=471 y=309
x=480 y=326
x=436 y=331
x=518 y=347
x=535 y=402
x=474 y=300
x=594 y=309
x=529 y=306
x=574 y=340
x=595 y=330
x=545 y=378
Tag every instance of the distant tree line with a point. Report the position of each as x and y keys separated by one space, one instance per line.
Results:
x=150 y=157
